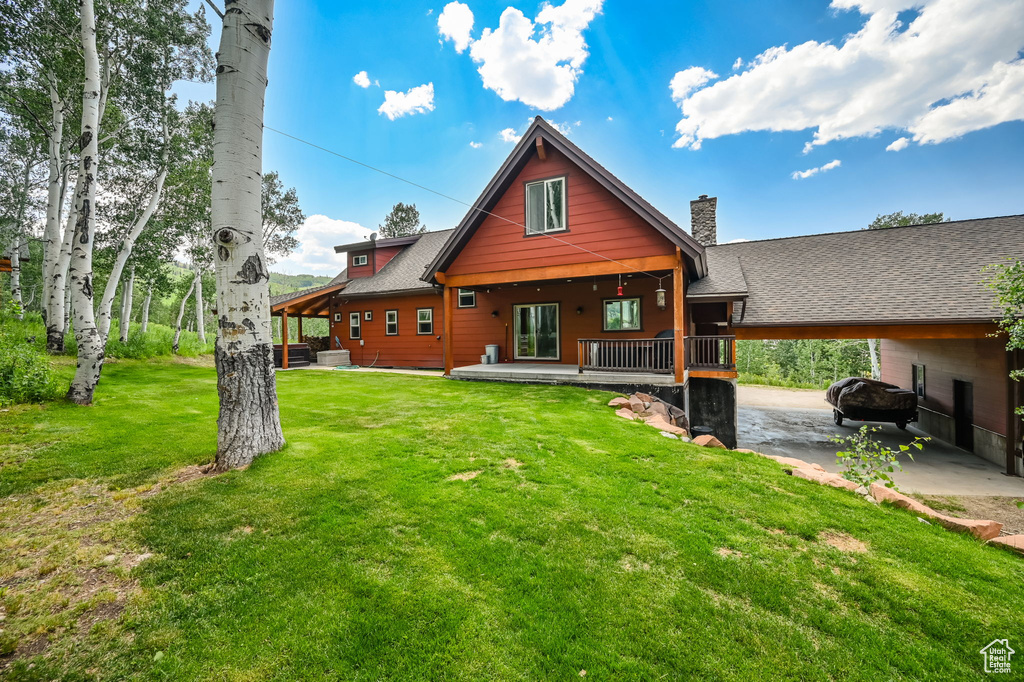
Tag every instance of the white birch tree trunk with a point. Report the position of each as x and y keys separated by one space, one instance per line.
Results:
x=876 y=371
x=144 y=323
x=200 y=313
x=90 y=340
x=110 y=291
x=53 y=277
x=16 y=276
x=181 y=315
x=125 y=321
x=249 y=424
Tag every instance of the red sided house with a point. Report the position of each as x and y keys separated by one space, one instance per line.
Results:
x=568 y=276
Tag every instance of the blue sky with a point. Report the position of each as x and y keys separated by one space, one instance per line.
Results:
x=671 y=97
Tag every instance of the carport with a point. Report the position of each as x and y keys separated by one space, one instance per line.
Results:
x=920 y=290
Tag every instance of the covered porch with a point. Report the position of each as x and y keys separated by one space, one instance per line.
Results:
x=292 y=309
x=557 y=373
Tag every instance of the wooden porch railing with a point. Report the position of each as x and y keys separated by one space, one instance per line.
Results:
x=626 y=355
x=710 y=352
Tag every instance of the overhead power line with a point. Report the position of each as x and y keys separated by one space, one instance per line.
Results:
x=451 y=198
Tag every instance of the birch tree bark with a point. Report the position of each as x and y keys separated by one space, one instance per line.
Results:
x=181 y=315
x=249 y=424
x=15 y=255
x=144 y=323
x=53 y=237
x=876 y=372
x=125 y=320
x=90 y=340
x=200 y=313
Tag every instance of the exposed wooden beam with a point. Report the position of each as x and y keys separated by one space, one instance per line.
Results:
x=284 y=340
x=327 y=291
x=449 y=331
x=591 y=269
x=541 y=151
x=889 y=331
x=679 y=317
x=713 y=374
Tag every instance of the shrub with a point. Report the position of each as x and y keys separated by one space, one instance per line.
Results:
x=25 y=372
x=868 y=460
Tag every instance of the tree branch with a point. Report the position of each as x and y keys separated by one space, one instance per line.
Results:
x=215 y=8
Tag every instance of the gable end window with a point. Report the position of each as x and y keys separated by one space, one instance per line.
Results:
x=359 y=260
x=467 y=298
x=391 y=322
x=546 y=206
x=354 y=325
x=622 y=314
x=425 y=321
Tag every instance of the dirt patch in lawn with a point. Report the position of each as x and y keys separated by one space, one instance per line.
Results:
x=465 y=475
x=512 y=463
x=66 y=558
x=1001 y=509
x=726 y=552
x=843 y=542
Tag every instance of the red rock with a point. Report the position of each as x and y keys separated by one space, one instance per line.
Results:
x=981 y=529
x=883 y=494
x=1014 y=542
x=660 y=409
x=644 y=398
x=618 y=402
x=749 y=452
x=636 y=405
x=657 y=422
x=625 y=413
x=709 y=442
x=794 y=462
x=824 y=478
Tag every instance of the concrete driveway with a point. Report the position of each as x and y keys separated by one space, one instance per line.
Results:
x=800 y=428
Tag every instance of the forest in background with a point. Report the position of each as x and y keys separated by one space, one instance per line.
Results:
x=814 y=363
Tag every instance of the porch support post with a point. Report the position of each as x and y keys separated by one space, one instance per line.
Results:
x=1012 y=419
x=679 y=315
x=284 y=339
x=449 y=329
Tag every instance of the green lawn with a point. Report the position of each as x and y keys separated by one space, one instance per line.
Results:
x=585 y=543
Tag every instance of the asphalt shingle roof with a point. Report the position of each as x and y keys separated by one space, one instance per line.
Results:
x=919 y=273
x=404 y=271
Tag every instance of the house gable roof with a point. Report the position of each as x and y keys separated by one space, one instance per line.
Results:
x=524 y=150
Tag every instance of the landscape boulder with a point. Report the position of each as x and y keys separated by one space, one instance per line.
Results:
x=824 y=478
x=626 y=413
x=618 y=402
x=979 y=528
x=709 y=442
x=1013 y=542
x=794 y=462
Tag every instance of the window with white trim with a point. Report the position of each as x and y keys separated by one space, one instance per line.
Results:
x=467 y=298
x=622 y=314
x=424 y=320
x=545 y=206
x=359 y=260
x=391 y=322
x=355 y=325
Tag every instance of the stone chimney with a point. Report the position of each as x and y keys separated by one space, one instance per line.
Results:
x=702 y=220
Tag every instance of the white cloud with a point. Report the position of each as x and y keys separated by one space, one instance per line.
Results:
x=418 y=100
x=318 y=236
x=737 y=241
x=738 y=64
x=536 y=62
x=688 y=80
x=476 y=145
x=565 y=128
x=804 y=174
x=509 y=135
x=455 y=24
x=897 y=145
x=361 y=79
x=610 y=118
x=953 y=69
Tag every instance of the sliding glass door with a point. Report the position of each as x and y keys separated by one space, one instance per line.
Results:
x=537 y=332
